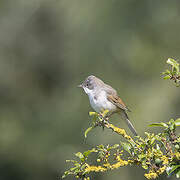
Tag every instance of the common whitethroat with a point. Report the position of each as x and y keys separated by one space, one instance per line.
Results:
x=104 y=97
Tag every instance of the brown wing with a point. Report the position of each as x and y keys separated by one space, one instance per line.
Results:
x=116 y=100
x=113 y=97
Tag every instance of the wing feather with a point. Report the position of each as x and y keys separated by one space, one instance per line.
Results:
x=113 y=97
x=116 y=100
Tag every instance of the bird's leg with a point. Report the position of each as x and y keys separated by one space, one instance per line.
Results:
x=105 y=118
x=108 y=115
x=102 y=121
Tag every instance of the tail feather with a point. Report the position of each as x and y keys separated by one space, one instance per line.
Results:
x=131 y=127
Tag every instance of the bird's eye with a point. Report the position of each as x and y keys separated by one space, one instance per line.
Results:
x=87 y=83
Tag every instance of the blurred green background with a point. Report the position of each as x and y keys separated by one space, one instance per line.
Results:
x=47 y=48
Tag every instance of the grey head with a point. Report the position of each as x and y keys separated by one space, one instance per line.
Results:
x=91 y=82
x=94 y=83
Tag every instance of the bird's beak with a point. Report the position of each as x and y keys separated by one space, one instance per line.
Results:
x=80 y=86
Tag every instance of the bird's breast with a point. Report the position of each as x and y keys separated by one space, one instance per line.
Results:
x=99 y=102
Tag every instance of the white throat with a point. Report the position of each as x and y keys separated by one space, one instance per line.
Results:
x=88 y=91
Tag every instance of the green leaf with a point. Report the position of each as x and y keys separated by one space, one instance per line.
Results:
x=101 y=146
x=113 y=147
x=152 y=140
x=142 y=157
x=174 y=64
x=157 y=147
x=159 y=125
x=171 y=121
x=167 y=72
x=178 y=140
x=172 y=127
x=101 y=155
x=74 y=168
x=83 y=166
x=166 y=77
x=174 y=167
x=87 y=131
x=168 y=169
x=73 y=161
x=80 y=156
x=158 y=161
x=65 y=174
x=177 y=122
x=126 y=146
x=177 y=146
x=92 y=113
x=171 y=61
x=86 y=153
x=178 y=174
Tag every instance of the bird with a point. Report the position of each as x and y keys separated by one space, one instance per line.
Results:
x=103 y=97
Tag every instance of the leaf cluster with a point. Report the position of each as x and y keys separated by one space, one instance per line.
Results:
x=156 y=153
x=173 y=73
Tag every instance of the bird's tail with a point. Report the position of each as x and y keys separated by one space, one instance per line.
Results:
x=131 y=127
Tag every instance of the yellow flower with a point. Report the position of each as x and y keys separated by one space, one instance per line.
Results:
x=107 y=165
x=158 y=153
x=161 y=170
x=164 y=159
x=95 y=169
x=120 y=131
x=151 y=175
x=130 y=161
x=87 y=178
x=119 y=164
x=116 y=165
